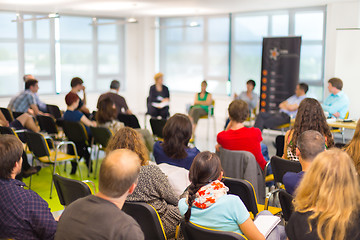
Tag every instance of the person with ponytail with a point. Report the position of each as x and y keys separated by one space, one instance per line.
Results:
x=207 y=203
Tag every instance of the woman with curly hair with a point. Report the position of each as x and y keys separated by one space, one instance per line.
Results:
x=153 y=186
x=327 y=201
x=310 y=116
x=174 y=150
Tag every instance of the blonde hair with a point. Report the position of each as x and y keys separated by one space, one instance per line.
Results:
x=353 y=147
x=128 y=138
x=330 y=189
x=158 y=75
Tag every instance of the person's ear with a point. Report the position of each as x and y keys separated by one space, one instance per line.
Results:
x=221 y=175
x=132 y=188
x=297 y=152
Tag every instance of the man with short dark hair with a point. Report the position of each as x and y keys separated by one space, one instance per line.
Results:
x=288 y=110
x=100 y=216
x=337 y=103
x=310 y=143
x=26 y=99
x=23 y=213
x=41 y=105
x=77 y=86
x=113 y=94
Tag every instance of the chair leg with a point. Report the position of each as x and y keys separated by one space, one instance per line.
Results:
x=97 y=162
x=52 y=179
x=90 y=162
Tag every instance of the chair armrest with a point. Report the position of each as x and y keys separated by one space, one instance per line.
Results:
x=268 y=196
x=90 y=184
x=63 y=143
x=21 y=131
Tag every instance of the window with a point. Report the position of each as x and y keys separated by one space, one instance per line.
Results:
x=56 y=50
x=193 y=49
x=250 y=28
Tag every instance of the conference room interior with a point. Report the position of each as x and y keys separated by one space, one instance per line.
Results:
x=188 y=41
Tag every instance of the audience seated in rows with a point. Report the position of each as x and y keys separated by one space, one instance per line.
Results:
x=327 y=201
x=238 y=137
x=100 y=216
x=153 y=186
x=337 y=103
x=23 y=213
x=288 y=110
x=175 y=150
x=158 y=100
x=106 y=117
x=353 y=147
x=76 y=87
x=310 y=117
x=309 y=144
x=206 y=202
x=249 y=96
x=73 y=115
x=26 y=101
x=41 y=105
x=202 y=101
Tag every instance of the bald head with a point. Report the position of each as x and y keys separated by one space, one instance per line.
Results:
x=118 y=172
x=28 y=77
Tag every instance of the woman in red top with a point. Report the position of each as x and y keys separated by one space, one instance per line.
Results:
x=238 y=137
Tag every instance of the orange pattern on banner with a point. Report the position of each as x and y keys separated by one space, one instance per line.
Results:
x=262 y=110
x=263 y=96
x=264 y=88
x=263 y=103
x=264 y=80
x=265 y=72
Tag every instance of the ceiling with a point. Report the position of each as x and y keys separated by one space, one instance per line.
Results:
x=137 y=8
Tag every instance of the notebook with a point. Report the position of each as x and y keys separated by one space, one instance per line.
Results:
x=266 y=223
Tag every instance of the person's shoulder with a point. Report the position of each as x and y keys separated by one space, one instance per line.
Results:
x=253 y=130
x=289 y=176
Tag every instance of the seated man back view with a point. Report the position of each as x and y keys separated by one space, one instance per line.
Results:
x=100 y=216
x=309 y=145
x=288 y=110
x=23 y=213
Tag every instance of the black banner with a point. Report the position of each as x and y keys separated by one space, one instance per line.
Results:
x=279 y=71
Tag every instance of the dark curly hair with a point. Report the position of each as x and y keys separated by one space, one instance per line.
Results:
x=205 y=168
x=310 y=116
x=177 y=133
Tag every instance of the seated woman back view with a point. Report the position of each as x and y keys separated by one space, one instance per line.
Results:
x=153 y=186
x=353 y=147
x=174 y=150
x=327 y=201
x=106 y=117
x=310 y=116
x=208 y=204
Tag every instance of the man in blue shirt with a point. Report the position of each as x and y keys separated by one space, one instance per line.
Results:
x=288 y=110
x=23 y=213
x=309 y=145
x=337 y=103
x=41 y=105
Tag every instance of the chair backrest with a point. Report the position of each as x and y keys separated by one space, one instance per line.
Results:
x=6 y=130
x=37 y=144
x=75 y=131
x=157 y=126
x=245 y=191
x=101 y=135
x=7 y=114
x=281 y=166
x=129 y=120
x=70 y=190
x=243 y=165
x=54 y=110
x=17 y=114
x=148 y=219
x=192 y=231
x=47 y=124
x=286 y=204
x=279 y=143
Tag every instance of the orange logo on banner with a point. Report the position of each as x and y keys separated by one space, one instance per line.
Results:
x=263 y=88
x=264 y=80
x=265 y=72
x=263 y=96
x=262 y=110
x=263 y=103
